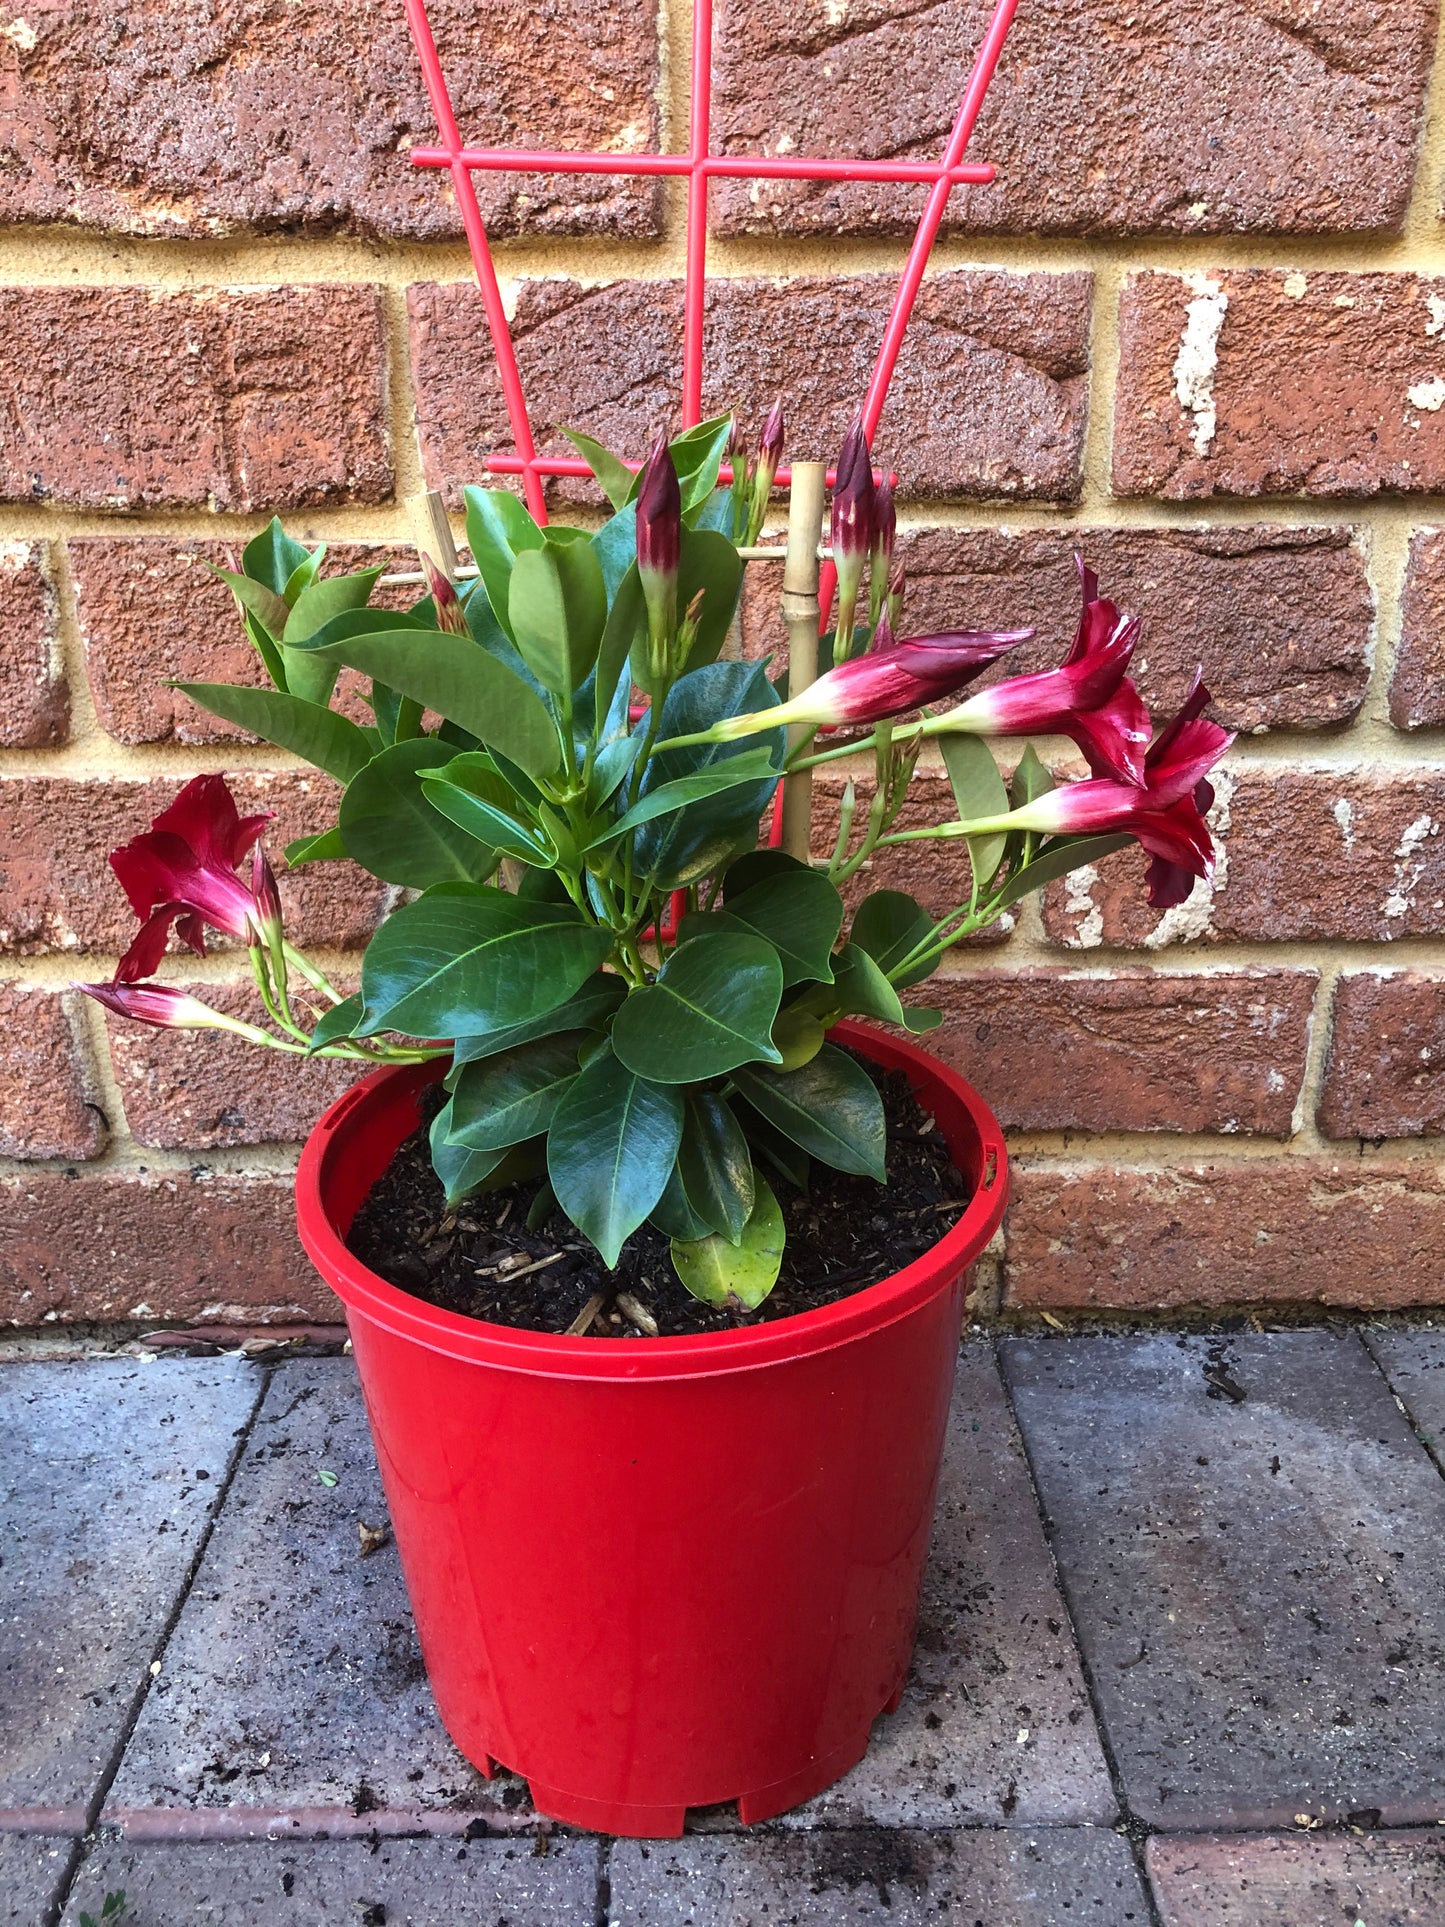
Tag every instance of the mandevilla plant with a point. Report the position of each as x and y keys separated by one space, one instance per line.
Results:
x=569 y=715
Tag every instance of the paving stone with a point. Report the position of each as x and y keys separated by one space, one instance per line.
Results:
x=109 y=1471
x=1414 y=1363
x=1054 y=1877
x=995 y=1723
x=31 y=1871
x=1249 y=1536
x=293 y=1692
x=403 y=1883
x=1303 y=1880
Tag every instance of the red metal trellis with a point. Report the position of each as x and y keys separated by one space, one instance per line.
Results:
x=698 y=166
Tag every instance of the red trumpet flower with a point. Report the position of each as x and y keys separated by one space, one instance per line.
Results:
x=167 y=1009
x=1088 y=697
x=1165 y=811
x=892 y=678
x=182 y=871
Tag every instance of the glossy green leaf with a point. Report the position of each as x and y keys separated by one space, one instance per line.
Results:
x=800 y=913
x=461 y=1171
x=697 y=456
x=318 y=604
x=830 y=1107
x=754 y=867
x=978 y=790
x=391 y=827
x=626 y=622
x=258 y=599
x=615 y=546
x=1031 y=779
x=303 y=575
x=614 y=477
x=752 y=768
x=707 y=562
x=272 y=558
x=715 y=1165
x=673 y=1214
x=499 y=529
x=508 y=1098
x=593 y=1004
x=613 y=763
x=470 y=791
x=337 y=1023
x=331 y=742
x=558 y=610
x=788 y=1159
x=711 y=1009
x=463 y=960
x=715 y=1270
x=798 y=1036
x=670 y=847
x=266 y=648
x=459 y=679
x=888 y=924
x=1058 y=858
x=611 y=1150
x=326 y=848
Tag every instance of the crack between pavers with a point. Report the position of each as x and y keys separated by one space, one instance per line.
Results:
x=1425 y=1440
x=96 y=1806
x=1136 y=1831
x=603 y=1915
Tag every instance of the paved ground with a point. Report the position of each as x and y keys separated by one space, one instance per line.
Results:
x=1180 y=1661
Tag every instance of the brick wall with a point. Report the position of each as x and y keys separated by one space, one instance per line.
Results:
x=1197 y=328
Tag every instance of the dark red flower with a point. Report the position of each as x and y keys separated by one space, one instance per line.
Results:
x=182 y=871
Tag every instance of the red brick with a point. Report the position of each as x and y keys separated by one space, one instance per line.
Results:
x=1320 y=384
x=255 y=114
x=989 y=399
x=1103 y=118
x=260 y=398
x=57 y=891
x=1385 y=1076
x=1053 y=1050
x=152 y=1245
x=1308 y=855
x=1417 y=683
x=150 y=611
x=34 y=696
x=45 y=1083
x=1280 y=618
x=199 y=1090
x=1288 y=1230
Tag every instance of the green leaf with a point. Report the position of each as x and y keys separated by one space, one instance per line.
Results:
x=258 y=599
x=830 y=1107
x=715 y=1165
x=615 y=546
x=714 y=1270
x=337 y=1023
x=460 y=1171
x=272 y=558
x=464 y=959
x=711 y=1009
x=697 y=456
x=859 y=989
x=611 y=1150
x=558 y=609
x=798 y=1036
x=626 y=622
x=592 y=1005
x=673 y=1214
x=751 y=768
x=709 y=562
x=391 y=827
x=671 y=846
x=326 y=848
x=754 y=866
x=1057 y=858
x=464 y=682
x=307 y=674
x=303 y=575
x=800 y=913
x=499 y=529
x=508 y=1098
x=978 y=790
x=613 y=763
x=888 y=924
x=614 y=477
x=1031 y=779
x=309 y=730
x=789 y=1160
x=471 y=792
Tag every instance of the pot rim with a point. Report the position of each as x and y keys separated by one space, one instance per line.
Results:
x=551 y=1354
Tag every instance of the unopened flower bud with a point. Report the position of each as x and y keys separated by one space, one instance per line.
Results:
x=659 y=543
x=450 y=614
x=770 y=449
x=852 y=529
x=880 y=559
x=897 y=579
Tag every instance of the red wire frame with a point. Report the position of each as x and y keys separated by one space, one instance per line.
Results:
x=698 y=166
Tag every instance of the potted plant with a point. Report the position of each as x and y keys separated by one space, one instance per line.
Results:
x=664 y=1544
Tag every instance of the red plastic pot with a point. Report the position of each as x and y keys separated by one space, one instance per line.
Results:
x=651 y=1574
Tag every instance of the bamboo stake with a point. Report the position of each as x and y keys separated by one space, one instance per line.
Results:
x=432 y=534
x=800 y=614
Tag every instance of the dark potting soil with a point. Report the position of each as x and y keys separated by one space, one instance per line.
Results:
x=844 y=1234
